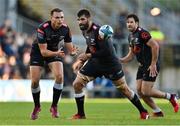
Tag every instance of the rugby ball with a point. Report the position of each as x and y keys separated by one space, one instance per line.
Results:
x=106 y=31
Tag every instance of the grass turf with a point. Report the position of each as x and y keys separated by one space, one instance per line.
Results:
x=98 y=112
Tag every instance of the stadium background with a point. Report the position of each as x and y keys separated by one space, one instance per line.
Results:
x=19 y=19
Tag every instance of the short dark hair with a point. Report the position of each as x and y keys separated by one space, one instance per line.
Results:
x=55 y=10
x=84 y=12
x=134 y=16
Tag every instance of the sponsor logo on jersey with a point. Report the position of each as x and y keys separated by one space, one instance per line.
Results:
x=145 y=35
x=45 y=25
x=119 y=72
x=61 y=38
x=34 y=62
x=87 y=37
x=94 y=27
x=40 y=31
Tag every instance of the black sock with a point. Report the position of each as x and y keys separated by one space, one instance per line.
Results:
x=56 y=95
x=138 y=104
x=80 y=105
x=36 y=97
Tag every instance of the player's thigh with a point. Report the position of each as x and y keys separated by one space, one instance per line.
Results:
x=147 y=77
x=113 y=73
x=120 y=83
x=36 y=59
x=56 y=68
x=138 y=85
x=139 y=74
x=146 y=87
x=90 y=68
x=35 y=73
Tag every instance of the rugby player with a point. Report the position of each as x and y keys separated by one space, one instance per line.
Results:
x=99 y=60
x=146 y=51
x=46 y=50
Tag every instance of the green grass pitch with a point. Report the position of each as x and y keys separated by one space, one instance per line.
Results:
x=98 y=112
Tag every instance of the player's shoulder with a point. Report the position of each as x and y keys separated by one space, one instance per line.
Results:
x=95 y=26
x=144 y=33
x=141 y=30
x=64 y=25
x=44 y=25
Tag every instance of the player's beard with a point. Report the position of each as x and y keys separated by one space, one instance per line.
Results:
x=131 y=29
x=84 y=26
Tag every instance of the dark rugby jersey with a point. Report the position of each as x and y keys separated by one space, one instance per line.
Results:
x=102 y=50
x=53 y=38
x=137 y=40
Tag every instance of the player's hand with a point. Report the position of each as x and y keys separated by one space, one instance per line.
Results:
x=74 y=51
x=77 y=65
x=61 y=53
x=83 y=57
x=153 y=70
x=121 y=60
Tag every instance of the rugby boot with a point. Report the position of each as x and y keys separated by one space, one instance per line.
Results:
x=78 y=116
x=158 y=114
x=174 y=102
x=54 y=112
x=144 y=115
x=35 y=113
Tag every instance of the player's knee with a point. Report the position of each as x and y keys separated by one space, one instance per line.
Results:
x=145 y=93
x=121 y=86
x=34 y=84
x=77 y=86
x=139 y=92
x=59 y=78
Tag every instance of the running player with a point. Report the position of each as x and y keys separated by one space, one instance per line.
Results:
x=146 y=51
x=99 y=60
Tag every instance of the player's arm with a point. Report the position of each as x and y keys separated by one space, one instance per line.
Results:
x=78 y=64
x=41 y=37
x=81 y=59
x=48 y=53
x=155 y=53
x=155 y=50
x=72 y=49
x=128 y=57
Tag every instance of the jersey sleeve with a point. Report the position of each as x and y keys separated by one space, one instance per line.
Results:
x=145 y=36
x=68 y=36
x=41 y=35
